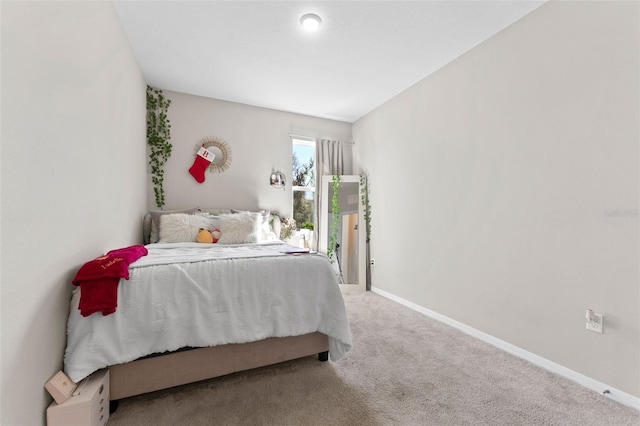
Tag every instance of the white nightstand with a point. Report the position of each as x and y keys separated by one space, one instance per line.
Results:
x=89 y=406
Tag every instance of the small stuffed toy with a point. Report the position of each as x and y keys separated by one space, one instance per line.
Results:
x=204 y=236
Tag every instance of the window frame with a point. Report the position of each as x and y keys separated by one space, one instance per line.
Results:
x=304 y=142
x=309 y=142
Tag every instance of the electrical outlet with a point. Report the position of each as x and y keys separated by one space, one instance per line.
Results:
x=595 y=322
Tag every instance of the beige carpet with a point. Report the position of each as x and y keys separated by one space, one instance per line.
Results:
x=404 y=369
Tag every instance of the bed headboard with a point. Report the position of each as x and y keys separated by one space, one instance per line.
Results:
x=146 y=228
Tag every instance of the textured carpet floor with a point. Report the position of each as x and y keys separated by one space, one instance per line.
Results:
x=404 y=369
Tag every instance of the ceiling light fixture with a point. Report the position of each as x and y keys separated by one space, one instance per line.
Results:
x=310 y=22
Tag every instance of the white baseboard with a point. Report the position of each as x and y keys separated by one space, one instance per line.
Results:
x=602 y=388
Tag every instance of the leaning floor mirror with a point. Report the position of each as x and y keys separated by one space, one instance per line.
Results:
x=341 y=234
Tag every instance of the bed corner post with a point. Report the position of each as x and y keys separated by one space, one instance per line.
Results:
x=323 y=356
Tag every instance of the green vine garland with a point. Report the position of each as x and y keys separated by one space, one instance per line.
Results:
x=364 y=199
x=158 y=136
x=335 y=217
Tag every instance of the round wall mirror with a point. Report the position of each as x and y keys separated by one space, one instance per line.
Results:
x=222 y=151
x=277 y=180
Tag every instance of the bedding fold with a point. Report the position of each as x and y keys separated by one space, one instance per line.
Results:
x=165 y=254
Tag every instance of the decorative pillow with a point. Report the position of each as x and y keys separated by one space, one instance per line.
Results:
x=214 y=220
x=181 y=227
x=265 y=228
x=276 y=226
x=240 y=228
x=215 y=212
x=155 y=221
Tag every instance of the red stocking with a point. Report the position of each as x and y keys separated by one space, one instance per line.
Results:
x=202 y=161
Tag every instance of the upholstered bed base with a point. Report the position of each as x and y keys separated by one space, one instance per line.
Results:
x=188 y=366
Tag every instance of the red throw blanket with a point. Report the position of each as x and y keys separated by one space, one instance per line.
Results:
x=98 y=279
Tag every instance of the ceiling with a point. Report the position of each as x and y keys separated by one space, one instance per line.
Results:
x=256 y=53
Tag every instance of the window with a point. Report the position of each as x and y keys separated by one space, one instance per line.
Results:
x=304 y=182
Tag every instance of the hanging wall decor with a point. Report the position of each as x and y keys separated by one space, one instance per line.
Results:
x=220 y=148
x=159 y=139
x=203 y=159
x=277 y=180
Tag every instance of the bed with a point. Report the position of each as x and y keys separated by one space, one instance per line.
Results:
x=191 y=311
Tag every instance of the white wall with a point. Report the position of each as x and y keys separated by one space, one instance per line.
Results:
x=259 y=141
x=74 y=178
x=519 y=178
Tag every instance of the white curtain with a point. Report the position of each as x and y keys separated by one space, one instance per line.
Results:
x=329 y=161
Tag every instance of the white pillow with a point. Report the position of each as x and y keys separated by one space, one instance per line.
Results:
x=214 y=220
x=155 y=221
x=181 y=228
x=240 y=228
x=276 y=227
x=266 y=232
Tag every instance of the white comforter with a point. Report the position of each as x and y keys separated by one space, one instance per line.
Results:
x=194 y=295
